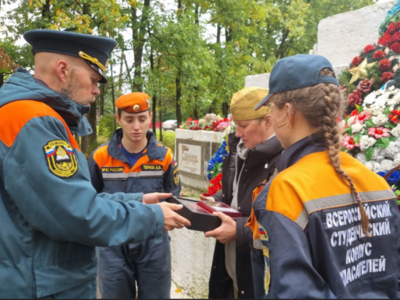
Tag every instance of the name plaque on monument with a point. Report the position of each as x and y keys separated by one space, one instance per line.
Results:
x=190 y=158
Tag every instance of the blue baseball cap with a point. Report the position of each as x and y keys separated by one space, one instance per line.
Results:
x=295 y=72
x=95 y=50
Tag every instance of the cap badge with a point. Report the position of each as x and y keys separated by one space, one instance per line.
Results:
x=93 y=60
x=136 y=107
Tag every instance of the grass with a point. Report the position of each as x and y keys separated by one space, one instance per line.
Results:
x=168 y=138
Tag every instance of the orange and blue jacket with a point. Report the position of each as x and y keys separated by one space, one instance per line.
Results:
x=155 y=171
x=51 y=216
x=308 y=226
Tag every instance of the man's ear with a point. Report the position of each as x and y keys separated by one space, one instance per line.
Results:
x=63 y=70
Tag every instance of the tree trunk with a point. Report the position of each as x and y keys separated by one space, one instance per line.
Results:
x=154 y=105
x=46 y=11
x=196 y=11
x=138 y=32
x=131 y=83
x=195 y=114
x=92 y=117
x=113 y=99
x=225 y=109
x=85 y=144
x=160 y=120
x=120 y=74
x=101 y=99
x=1 y=79
x=154 y=114
x=281 y=49
x=178 y=97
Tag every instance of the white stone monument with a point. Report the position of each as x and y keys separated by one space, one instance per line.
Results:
x=341 y=37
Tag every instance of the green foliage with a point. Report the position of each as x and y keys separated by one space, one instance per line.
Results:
x=168 y=138
x=369 y=152
x=106 y=126
x=383 y=142
x=179 y=54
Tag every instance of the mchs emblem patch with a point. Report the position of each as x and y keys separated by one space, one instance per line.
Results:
x=61 y=158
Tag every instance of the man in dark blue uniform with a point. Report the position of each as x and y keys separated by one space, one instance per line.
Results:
x=133 y=161
x=51 y=216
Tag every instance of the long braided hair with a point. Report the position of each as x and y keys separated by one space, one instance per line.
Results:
x=320 y=105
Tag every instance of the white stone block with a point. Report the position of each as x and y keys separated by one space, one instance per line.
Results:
x=343 y=36
x=261 y=80
x=191 y=255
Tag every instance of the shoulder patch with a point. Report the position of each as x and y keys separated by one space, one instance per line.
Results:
x=263 y=233
x=176 y=176
x=60 y=158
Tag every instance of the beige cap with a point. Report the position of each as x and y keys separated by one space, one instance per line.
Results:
x=244 y=101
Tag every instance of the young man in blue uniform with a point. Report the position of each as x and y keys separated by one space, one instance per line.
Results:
x=51 y=216
x=133 y=161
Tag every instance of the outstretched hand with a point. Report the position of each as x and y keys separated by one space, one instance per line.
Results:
x=171 y=219
x=154 y=198
x=226 y=232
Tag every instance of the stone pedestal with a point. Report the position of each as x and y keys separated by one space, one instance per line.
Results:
x=260 y=80
x=193 y=150
x=191 y=255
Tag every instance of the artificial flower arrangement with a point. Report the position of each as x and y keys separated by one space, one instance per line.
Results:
x=371 y=130
x=376 y=64
x=214 y=169
x=211 y=122
x=371 y=133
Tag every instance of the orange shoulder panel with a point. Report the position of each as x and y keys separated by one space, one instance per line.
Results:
x=314 y=177
x=169 y=157
x=101 y=156
x=252 y=221
x=15 y=115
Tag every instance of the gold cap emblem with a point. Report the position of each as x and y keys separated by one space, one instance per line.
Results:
x=136 y=107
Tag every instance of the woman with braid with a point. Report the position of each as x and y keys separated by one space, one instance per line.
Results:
x=327 y=226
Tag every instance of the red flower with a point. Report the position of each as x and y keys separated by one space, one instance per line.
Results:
x=384 y=65
x=386 y=76
x=378 y=54
x=395 y=47
x=396 y=37
x=365 y=85
x=394 y=116
x=196 y=121
x=189 y=120
x=356 y=61
x=354 y=113
x=215 y=185
x=368 y=48
x=391 y=28
x=354 y=98
x=398 y=25
x=386 y=40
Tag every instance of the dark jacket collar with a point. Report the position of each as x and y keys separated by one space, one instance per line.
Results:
x=264 y=151
x=298 y=150
x=152 y=150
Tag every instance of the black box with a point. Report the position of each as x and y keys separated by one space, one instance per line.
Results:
x=200 y=219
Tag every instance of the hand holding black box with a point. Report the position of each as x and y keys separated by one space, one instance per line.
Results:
x=201 y=219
